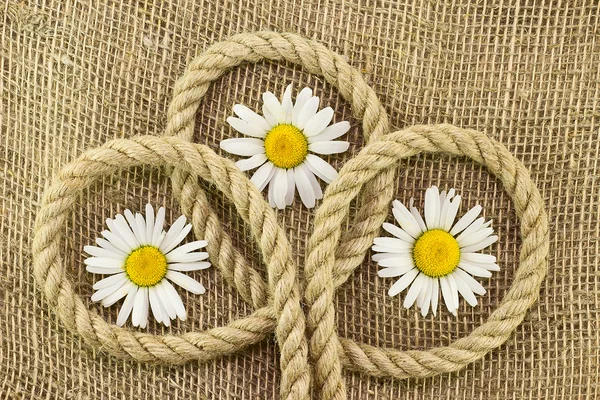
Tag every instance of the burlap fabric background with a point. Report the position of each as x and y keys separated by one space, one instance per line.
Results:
x=76 y=74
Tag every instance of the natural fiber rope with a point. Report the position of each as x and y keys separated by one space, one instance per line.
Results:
x=331 y=256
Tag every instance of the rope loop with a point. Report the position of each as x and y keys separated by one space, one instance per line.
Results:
x=312 y=354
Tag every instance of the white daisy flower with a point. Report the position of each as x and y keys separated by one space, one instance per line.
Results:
x=435 y=252
x=142 y=261
x=281 y=144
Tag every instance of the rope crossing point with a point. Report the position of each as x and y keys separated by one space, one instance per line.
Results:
x=312 y=355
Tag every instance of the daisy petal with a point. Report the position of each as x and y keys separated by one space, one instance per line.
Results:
x=164 y=297
x=101 y=262
x=307 y=112
x=447 y=294
x=186 y=258
x=318 y=122
x=104 y=253
x=320 y=168
x=432 y=207
x=141 y=228
x=103 y=270
x=474 y=227
x=401 y=260
x=109 y=281
x=141 y=302
x=100 y=294
x=177 y=239
x=475 y=237
x=474 y=269
x=305 y=188
x=287 y=104
x=478 y=258
x=466 y=220
x=158 y=227
x=417 y=216
x=394 y=271
x=130 y=218
x=388 y=251
x=189 y=266
x=251 y=117
x=330 y=147
x=313 y=181
x=166 y=318
x=445 y=206
x=415 y=289
x=301 y=100
x=187 y=248
x=106 y=245
x=125 y=231
x=127 y=306
x=263 y=175
x=453 y=290
x=269 y=117
x=399 y=233
x=246 y=128
x=403 y=282
x=174 y=300
x=118 y=294
x=274 y=106
x=406 y=220
x=464 y=291
x=186 y=282
x=280 y=188
x=468 y=279
x=149 y=222
x=435 y=295
x=451 y=213
x=384 y=256
x=426 y=297
x=174 y=232
x=271 y=194
x=116 y=241
x=480 y=245
x=291 y=187
x=331 y=132
x=243 y=146
x=401 y=244
x=145 y=310
x=155 y=305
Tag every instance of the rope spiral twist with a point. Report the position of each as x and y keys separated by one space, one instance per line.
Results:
x=312 y=355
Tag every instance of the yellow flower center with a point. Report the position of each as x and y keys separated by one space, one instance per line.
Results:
x=286 y=146
x=436 y=253
x=146 y=266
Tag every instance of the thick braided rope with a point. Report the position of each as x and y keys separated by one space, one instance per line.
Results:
x=533 y=260
x=317 y=59
x=199 y=160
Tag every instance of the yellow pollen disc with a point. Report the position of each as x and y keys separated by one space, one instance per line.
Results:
x=286 y=146
x=436 y=253
x=146 y=266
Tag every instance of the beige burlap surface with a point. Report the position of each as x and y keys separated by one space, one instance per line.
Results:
x=76 y=74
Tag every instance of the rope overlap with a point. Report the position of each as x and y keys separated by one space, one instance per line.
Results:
x=312 y=355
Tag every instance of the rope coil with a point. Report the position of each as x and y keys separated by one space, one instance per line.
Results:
x=312 y=355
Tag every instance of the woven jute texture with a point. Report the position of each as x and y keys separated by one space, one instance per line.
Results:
x=75 y=74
